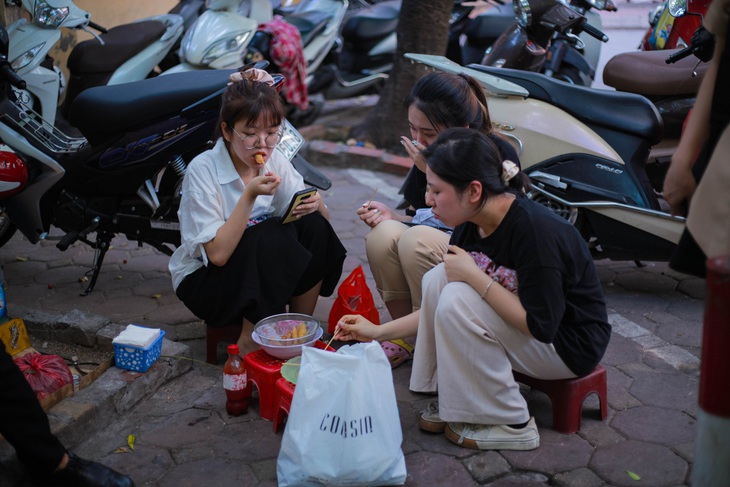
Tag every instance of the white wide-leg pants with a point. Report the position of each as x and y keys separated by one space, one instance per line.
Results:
x=466 y=352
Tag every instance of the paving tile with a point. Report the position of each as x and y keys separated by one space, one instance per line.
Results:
x=656 y=465
x=651 y=424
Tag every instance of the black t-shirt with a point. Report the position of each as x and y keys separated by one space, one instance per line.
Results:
x=414 y=186
x=557 y=281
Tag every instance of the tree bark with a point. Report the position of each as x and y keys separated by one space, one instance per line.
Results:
x=423 y=28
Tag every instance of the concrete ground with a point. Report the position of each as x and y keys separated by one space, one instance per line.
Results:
x=176 y=410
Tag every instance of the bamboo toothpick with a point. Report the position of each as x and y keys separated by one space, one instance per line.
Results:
x=371 y=198
x=333 y=337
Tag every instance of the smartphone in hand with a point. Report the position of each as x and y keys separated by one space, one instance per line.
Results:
x=296 y=200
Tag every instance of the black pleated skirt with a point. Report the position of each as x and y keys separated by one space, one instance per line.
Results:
x=272 y=263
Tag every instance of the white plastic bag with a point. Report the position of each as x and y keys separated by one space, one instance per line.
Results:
x=343 y=426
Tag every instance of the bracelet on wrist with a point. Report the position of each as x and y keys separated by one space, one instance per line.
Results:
x=484 y=294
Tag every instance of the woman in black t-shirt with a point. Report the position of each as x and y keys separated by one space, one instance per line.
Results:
x=401 y=248
x=474 y=327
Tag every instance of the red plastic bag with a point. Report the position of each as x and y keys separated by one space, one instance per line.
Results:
x=45 y=373
x=353 y=298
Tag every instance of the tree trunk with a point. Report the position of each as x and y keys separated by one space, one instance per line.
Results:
x=423 y=28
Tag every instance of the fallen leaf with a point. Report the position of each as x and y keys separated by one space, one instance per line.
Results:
x=21 y=259
x=633 y=475
x=156 y=296
x=121 y=449
x=130 y=441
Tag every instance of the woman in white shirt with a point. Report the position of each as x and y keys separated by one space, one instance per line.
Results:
x=237 y=262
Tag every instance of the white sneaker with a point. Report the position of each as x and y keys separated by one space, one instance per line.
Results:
x=493 y=437
x=429 y=419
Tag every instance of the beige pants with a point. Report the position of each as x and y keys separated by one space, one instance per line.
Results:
x=399 y=255
x=476 y=352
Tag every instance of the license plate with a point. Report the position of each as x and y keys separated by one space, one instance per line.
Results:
x=291 y=140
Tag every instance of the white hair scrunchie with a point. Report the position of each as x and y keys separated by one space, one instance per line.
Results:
x=509 y=170
x=252 y=74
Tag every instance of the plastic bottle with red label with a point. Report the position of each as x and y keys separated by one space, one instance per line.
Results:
x=234 y=382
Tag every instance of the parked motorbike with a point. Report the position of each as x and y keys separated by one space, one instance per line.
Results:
x=123 y=177
x=189 y=10
x=218 y=38
x=226 y=36
x=547 y=38
x=669 y=78
x=585 y=151
x=126 y=53
x=469 y=38
x=360 y=57
x=672 y=24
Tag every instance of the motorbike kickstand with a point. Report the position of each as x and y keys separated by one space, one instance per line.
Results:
x=103 y=242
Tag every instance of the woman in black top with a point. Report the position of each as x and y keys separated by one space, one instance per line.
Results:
x=517 y=291
x=401 y=248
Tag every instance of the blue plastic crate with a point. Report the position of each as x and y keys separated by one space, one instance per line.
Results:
x=138 y=359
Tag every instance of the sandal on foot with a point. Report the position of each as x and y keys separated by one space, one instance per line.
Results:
x=397 y=352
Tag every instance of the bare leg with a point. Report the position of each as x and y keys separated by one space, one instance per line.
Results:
x=305 y=303
x=245 y=341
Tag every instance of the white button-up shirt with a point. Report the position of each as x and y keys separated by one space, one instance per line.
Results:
x=210 y=191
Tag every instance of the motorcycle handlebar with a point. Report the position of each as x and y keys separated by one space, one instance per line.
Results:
x=593 y=32
x=673 y=58
x=12 y=76
x=98 y=27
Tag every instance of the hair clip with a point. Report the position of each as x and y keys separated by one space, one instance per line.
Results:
x=509 y=170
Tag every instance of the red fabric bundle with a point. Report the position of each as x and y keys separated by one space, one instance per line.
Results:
x=45 y=373
x=287 y=52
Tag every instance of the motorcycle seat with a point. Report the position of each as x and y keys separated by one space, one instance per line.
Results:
x=120 y=44
x=376 y=23
x=647 y=73
x=623 y=112
x=309 y=24
x=103 y=110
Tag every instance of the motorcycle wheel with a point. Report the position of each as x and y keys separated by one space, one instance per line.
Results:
x=7 y=228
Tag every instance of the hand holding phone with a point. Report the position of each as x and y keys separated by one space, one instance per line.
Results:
x=298 y=198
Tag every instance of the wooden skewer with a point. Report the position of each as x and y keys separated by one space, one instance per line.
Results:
x=333 y=337
x=371 y=198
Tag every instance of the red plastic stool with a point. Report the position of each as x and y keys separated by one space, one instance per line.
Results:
x=567 y=396
x=284 y=395
x=264 y=370
x=217 y=334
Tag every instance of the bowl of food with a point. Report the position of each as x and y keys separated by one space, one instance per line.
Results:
x=284 y=335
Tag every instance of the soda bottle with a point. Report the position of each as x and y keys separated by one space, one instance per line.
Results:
x=234 y=382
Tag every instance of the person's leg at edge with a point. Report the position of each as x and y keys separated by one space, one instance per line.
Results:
x=25 y=426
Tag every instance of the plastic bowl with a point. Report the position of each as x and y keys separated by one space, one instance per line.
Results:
x=275 y=334
x=285 y=352
x=279 y=329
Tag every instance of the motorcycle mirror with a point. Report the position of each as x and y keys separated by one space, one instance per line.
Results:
x=677 y=8
x=528 y=10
